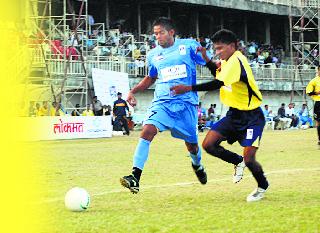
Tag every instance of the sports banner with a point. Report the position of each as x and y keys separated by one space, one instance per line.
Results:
x=67 y=127
x=108 y=83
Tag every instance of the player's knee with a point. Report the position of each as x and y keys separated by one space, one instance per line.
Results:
x=192 y=147
x=148 y=132
x=212 y=149
x=249 y=161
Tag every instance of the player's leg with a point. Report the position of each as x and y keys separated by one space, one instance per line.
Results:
x=195 y=155
x=139 y=159
x=185 y=128
x=211 y=145
x=249 y=154
x=318 y=130
x=316 y=114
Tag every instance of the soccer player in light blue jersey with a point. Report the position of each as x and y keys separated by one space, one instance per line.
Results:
x=171 y=63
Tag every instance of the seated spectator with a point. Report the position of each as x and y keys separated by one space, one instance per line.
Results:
x=268 y=116
x=38 y=113
x=56 y=109
x=88 y=111
x=32 y=109
x=290 y=113
x=201 y=111
x=304 y=116
x=267 y=113
x=44 y=110
x=281 y=119
x=107 y=110
x=212 y=113
x=76 y=112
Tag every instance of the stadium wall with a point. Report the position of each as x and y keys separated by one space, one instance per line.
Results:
x=273 y=98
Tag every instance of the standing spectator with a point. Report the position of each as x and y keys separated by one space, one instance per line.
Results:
x=97 y=106
x=119 y=111
x=313 y=90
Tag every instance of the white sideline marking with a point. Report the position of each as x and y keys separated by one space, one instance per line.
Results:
x=120 y=190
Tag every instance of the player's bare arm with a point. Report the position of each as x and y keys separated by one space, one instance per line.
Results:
x=143 y=85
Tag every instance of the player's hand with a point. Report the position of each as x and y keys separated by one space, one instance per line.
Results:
x=131 y=99
x=180 y=89
x=203 y=52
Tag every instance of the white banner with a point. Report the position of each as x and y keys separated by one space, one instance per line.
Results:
x=66 y=127
x=108 y=83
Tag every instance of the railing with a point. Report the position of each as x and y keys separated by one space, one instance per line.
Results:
x=296 y=3
x=139 y=69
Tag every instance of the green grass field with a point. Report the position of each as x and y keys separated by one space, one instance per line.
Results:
x=170 y=198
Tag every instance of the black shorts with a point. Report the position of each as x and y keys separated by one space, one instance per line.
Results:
x=316 y=111
x=246 y=127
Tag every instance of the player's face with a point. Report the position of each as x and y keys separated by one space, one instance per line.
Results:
x=224 y=51
x=165 y=38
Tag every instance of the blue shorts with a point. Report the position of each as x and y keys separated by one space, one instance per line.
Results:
x=246 y=127
x=179 y=117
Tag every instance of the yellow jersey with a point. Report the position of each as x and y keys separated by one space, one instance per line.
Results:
x=87 y=113
x=44 y=111
x=314 y=86
x=240 y=90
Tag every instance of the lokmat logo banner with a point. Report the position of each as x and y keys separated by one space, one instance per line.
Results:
x=54 y=128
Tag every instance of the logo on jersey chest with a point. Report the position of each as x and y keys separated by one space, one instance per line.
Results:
x=182 y=50
x=159 y=57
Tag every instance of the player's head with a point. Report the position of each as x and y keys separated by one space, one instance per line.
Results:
x=225 y=43
x=164 y=30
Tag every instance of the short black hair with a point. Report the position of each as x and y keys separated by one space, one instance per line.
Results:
x=165 y=22
x=224 y=36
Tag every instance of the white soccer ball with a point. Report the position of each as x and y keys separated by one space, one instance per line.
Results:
x=77 y=199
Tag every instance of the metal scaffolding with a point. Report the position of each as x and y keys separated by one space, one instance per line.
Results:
x=59 y=39
x=304 y=40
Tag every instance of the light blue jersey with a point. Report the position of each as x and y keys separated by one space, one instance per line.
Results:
x=172 y=66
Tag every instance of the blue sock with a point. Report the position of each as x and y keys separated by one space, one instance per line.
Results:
x=141 y=154
x=196 y=159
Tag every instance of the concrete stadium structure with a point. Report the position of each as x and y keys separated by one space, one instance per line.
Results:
x=261 y=20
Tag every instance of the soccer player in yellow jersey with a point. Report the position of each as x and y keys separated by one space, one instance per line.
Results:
x=244 y=121
x=313 y=90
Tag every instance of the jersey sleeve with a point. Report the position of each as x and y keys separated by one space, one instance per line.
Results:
x=230 y=72
x=310 y=87
x=197 y=57
x=153 y=73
